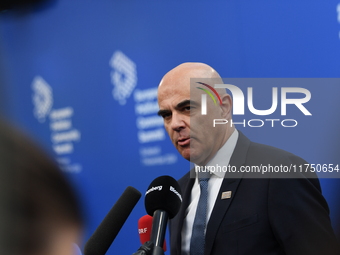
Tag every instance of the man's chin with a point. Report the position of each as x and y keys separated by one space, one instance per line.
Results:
x=191 y=155
x=195 y=158
x=186 y=154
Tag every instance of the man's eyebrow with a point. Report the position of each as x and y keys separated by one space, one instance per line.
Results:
x=163 y=112
x=185 y=103
x=178 y=106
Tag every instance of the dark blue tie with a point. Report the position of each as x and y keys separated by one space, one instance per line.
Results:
x=197 y=242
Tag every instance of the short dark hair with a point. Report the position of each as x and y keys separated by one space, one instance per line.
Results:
x=35 y=196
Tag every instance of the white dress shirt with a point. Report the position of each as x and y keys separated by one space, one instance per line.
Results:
x=221 y=158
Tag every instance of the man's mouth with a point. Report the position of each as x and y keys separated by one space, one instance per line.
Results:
x=183 y=141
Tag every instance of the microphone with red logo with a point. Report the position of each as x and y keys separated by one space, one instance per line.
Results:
x=144 y=229
x=162 y=201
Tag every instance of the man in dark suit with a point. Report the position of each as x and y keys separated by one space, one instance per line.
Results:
x=236 y=212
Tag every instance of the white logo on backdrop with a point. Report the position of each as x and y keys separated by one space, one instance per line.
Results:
x=149 y=124
x=63 y=135
x=42 y=98
x=123 y=76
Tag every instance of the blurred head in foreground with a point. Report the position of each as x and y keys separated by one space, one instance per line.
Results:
x=39 y=212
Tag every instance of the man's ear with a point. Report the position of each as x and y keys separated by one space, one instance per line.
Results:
x=227 y=105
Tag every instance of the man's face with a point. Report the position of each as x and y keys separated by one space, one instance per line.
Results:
x=192 y=133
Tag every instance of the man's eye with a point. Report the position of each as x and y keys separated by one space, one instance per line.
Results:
x=166 y=115
x=187 y=108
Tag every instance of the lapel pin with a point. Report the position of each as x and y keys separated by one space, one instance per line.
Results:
x=226 y=194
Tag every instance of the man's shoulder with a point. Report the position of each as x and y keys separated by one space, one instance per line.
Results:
x=263 y=152
x=271 y=153
x=269 y=160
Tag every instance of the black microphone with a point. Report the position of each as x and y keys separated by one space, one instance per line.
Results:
x=162 y=201
x=108 y=229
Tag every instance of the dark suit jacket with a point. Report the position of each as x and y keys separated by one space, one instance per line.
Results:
x=263 y=216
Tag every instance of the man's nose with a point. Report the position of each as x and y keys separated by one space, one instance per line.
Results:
x=177 y=122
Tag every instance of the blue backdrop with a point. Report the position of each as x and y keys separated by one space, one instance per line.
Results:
x=81 y=77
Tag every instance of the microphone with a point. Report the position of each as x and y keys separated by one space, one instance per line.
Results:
x=108 y=229
x=144 y=229
x=162 y=201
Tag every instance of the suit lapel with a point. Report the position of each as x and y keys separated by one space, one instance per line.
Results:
x=221 y=206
